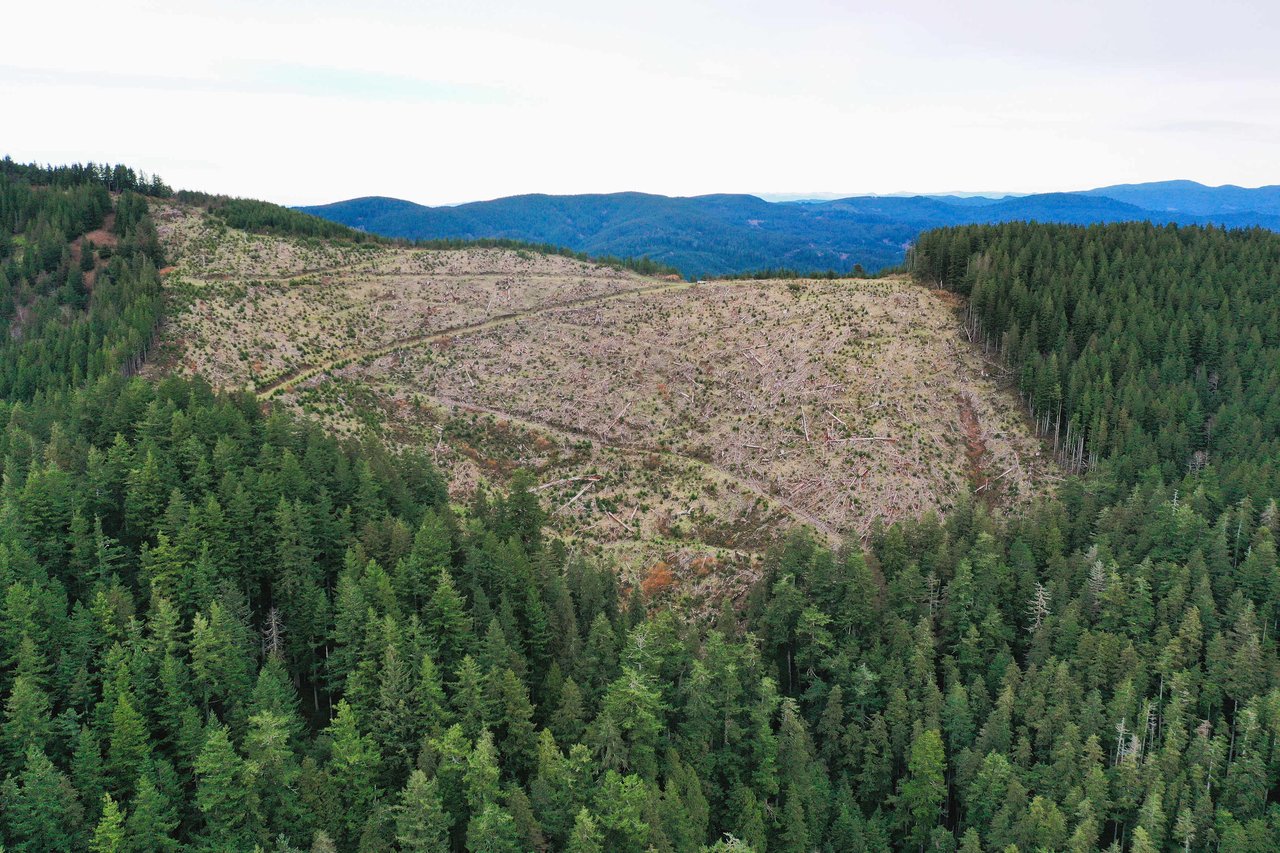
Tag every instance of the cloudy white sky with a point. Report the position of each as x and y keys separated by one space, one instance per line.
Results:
x=443 y=102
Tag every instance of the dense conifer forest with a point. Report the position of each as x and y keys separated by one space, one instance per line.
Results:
x=1142 y=349
x=222 y=630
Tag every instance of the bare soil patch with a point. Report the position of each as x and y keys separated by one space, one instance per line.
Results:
x=104 y=236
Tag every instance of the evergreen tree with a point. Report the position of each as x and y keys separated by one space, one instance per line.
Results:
x=127 y=748
x=153 y=820
x=41 y=809
x=586 y=836
x=924 y=788
x=352 y=772
x=492 y=829
x=224 y=785
x=421 y=823
x=108 y=836
x=26 y=721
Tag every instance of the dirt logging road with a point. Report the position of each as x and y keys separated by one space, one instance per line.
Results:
x=306 y=372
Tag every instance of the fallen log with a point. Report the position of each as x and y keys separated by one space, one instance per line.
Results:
x=628 y=527
x=1006 y=473
x=591 y=477
x=569 y=503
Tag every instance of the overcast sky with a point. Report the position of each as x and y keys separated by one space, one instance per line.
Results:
x=443 y=102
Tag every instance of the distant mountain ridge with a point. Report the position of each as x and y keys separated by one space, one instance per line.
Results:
x=731 y=233
x=1196 y=199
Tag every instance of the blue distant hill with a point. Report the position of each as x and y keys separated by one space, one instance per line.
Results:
x=1195 y=199
x=724 y=234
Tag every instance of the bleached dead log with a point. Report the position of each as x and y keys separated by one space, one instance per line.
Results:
x=1006 y=473
x=569 y=502
x=628 y=527
x=618 y=416
x=592 y=477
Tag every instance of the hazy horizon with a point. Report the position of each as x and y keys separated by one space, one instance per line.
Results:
x=816 y=195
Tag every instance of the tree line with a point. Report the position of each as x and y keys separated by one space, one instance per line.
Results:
x=1136 y=347
x=114 y=178
x=856 y=271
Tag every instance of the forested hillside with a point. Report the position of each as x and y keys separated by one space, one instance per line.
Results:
x=726 y=234
x=223 y=630
x=54 y=335
x=1147 y=350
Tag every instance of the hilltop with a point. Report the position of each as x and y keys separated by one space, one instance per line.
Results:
x=728 y=234
x=664 y=421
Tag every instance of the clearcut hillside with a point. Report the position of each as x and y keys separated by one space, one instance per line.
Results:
x=678 y=427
